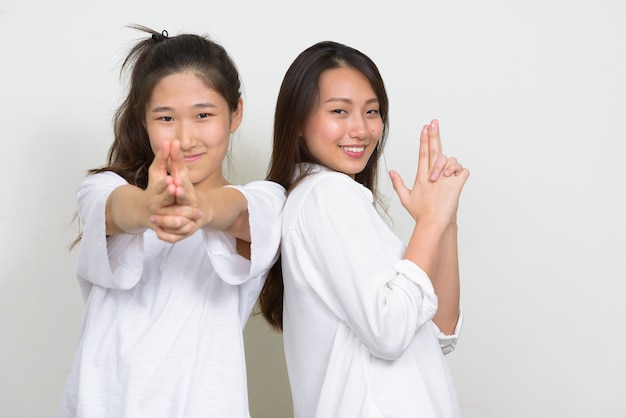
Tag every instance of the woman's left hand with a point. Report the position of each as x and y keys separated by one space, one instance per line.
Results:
x=182 y=218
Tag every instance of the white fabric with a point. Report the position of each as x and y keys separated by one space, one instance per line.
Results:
x=162 y=330
x=359 y=340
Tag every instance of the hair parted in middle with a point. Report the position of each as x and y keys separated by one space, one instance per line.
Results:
x=297 y=99
x=149 y=61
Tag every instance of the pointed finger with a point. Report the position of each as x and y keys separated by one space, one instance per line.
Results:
x=423 y=166
x=177 y=161
x=159 y=164
x=434 y=143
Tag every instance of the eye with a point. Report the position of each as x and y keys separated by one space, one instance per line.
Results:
x=203 y=115
x=338 y=111
x=373 y=112
x=166 y=118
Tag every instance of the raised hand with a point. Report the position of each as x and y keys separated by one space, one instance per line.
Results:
x=160 y=184
x=173 y=205
x=184 y=193
x=438 y=182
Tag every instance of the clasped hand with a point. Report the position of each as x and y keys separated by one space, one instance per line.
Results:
x=172 y=200
x=438 y=182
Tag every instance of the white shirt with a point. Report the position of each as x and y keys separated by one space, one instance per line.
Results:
x=359 y=340
x=162 y=329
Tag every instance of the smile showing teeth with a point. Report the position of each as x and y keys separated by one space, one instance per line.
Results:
x=353 y=149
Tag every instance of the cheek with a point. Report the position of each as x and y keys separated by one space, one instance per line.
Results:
x=154 y=138
x=326 y=132
x=155 y=144
x=215 y=135
x=376 y=129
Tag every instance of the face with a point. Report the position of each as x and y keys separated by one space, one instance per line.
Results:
x=342 y=132
x=183 y=108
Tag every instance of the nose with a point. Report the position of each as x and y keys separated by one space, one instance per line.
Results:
x=358 y=127
x=186 y=135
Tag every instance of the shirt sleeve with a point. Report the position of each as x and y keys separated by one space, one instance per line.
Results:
x=361 y=272
x=115 y=262
x=448 y=342
x=265 y=204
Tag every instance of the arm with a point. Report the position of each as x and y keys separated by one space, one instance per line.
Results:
x=446 y=282
x=262 y=204
x=109 y=261
x=337 y=245
x=433 y=203
x=178 y=210
x=225 y=209
x=126 y=211
x=131 y=210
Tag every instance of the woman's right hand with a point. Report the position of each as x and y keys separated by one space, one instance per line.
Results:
x=171 y=201
x=438 y=182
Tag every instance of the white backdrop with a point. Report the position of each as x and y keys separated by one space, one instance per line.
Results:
x=531 y=97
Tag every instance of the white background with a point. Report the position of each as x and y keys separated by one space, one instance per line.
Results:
x=531 y=97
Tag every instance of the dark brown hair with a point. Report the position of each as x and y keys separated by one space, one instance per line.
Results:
x=297 y=98
x=149 y=61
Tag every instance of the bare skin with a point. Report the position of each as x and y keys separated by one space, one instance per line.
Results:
x=433 y=203
x=172 y=207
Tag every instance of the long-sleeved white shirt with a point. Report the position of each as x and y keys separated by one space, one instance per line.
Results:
x=162 y=330
x=358 y=331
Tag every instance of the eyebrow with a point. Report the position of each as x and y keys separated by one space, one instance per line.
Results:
x=346 y=100
x=203 y=105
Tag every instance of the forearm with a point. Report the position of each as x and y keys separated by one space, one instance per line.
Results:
x=424 y=246
x=126 y=212
x=225 y=209
x=446 y=283
x=434 y=249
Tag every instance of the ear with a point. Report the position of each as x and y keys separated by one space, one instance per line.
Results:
x=236 y=116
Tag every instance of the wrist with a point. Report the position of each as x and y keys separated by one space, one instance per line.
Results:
x=204 y=209
x=127 y=211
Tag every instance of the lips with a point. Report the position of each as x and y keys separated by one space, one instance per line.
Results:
x=192 y=158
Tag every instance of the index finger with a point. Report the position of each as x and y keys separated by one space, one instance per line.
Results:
x=159 y=165
x=177 y=161
x=434 y=143
x=423 y=167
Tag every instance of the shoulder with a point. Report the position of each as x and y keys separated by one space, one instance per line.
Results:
x=331 y=186
x=327 y=195
x=262 y=190
x=103 y=182
x=263 y=187
x=103 y=178
x=263 y=199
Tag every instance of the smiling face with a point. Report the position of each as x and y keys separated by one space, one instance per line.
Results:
x=344 y=128
x=183 y=108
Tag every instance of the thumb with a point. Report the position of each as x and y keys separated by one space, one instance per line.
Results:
x=158 y=168
x=398 y=185
x=160 y=159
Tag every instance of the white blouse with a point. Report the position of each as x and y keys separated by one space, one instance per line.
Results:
x=162 y=330
x=359 y=340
